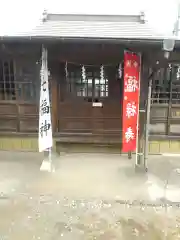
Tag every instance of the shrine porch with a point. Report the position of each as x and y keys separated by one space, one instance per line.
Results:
x=87 y=112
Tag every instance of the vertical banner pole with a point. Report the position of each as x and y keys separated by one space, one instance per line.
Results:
x=148 y=110
x=50 y=159
x=137 y=125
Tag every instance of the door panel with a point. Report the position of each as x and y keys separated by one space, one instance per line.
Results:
x=75 y=117
x=80 y=109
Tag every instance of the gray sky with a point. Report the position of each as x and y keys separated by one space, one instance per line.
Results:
x=21 y=15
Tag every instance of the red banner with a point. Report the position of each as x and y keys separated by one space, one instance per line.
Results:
x=130 y=101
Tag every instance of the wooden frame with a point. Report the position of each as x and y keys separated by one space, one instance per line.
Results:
x=74 y=119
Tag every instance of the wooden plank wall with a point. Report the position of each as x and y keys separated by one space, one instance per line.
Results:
x=18 y=117
x=159 y=120
x=71 y=115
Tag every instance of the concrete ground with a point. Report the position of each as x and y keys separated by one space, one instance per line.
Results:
x=90 y=196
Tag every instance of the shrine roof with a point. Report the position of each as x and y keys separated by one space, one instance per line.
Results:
x=81 y=26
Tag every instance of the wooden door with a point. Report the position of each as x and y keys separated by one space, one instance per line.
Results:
x=107 y=107
x=89 y=106
x=75 y=102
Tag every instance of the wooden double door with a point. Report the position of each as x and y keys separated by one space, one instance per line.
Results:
x=91 y=106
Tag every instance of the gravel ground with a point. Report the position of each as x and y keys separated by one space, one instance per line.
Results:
x=47 y=217
x=89 y=197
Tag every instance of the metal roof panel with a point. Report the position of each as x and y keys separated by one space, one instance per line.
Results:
x=96 y=27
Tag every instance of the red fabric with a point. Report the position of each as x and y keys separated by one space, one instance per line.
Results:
x=130 y=100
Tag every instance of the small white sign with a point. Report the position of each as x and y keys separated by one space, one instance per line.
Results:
x=45 y=124
x=97 y=104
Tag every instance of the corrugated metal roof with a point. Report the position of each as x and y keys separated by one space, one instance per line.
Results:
x=94 y=26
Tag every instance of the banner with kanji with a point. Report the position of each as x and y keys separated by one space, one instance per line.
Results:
x=130 y=101
x=45 y=124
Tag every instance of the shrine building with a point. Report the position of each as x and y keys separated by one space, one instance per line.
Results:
x=86 y=76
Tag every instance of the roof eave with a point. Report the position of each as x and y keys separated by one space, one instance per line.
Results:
x=152 y=40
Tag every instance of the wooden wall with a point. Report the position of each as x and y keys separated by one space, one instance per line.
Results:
x=165 y=121
x=18 y=117
x=72 y=117
x=21 y=113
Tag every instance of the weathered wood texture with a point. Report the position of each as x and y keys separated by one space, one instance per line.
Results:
x=159 y=120
x=18 y=117
x=75 y=119
x=20 y=114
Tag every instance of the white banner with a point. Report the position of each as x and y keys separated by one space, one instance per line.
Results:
x=45 y=124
